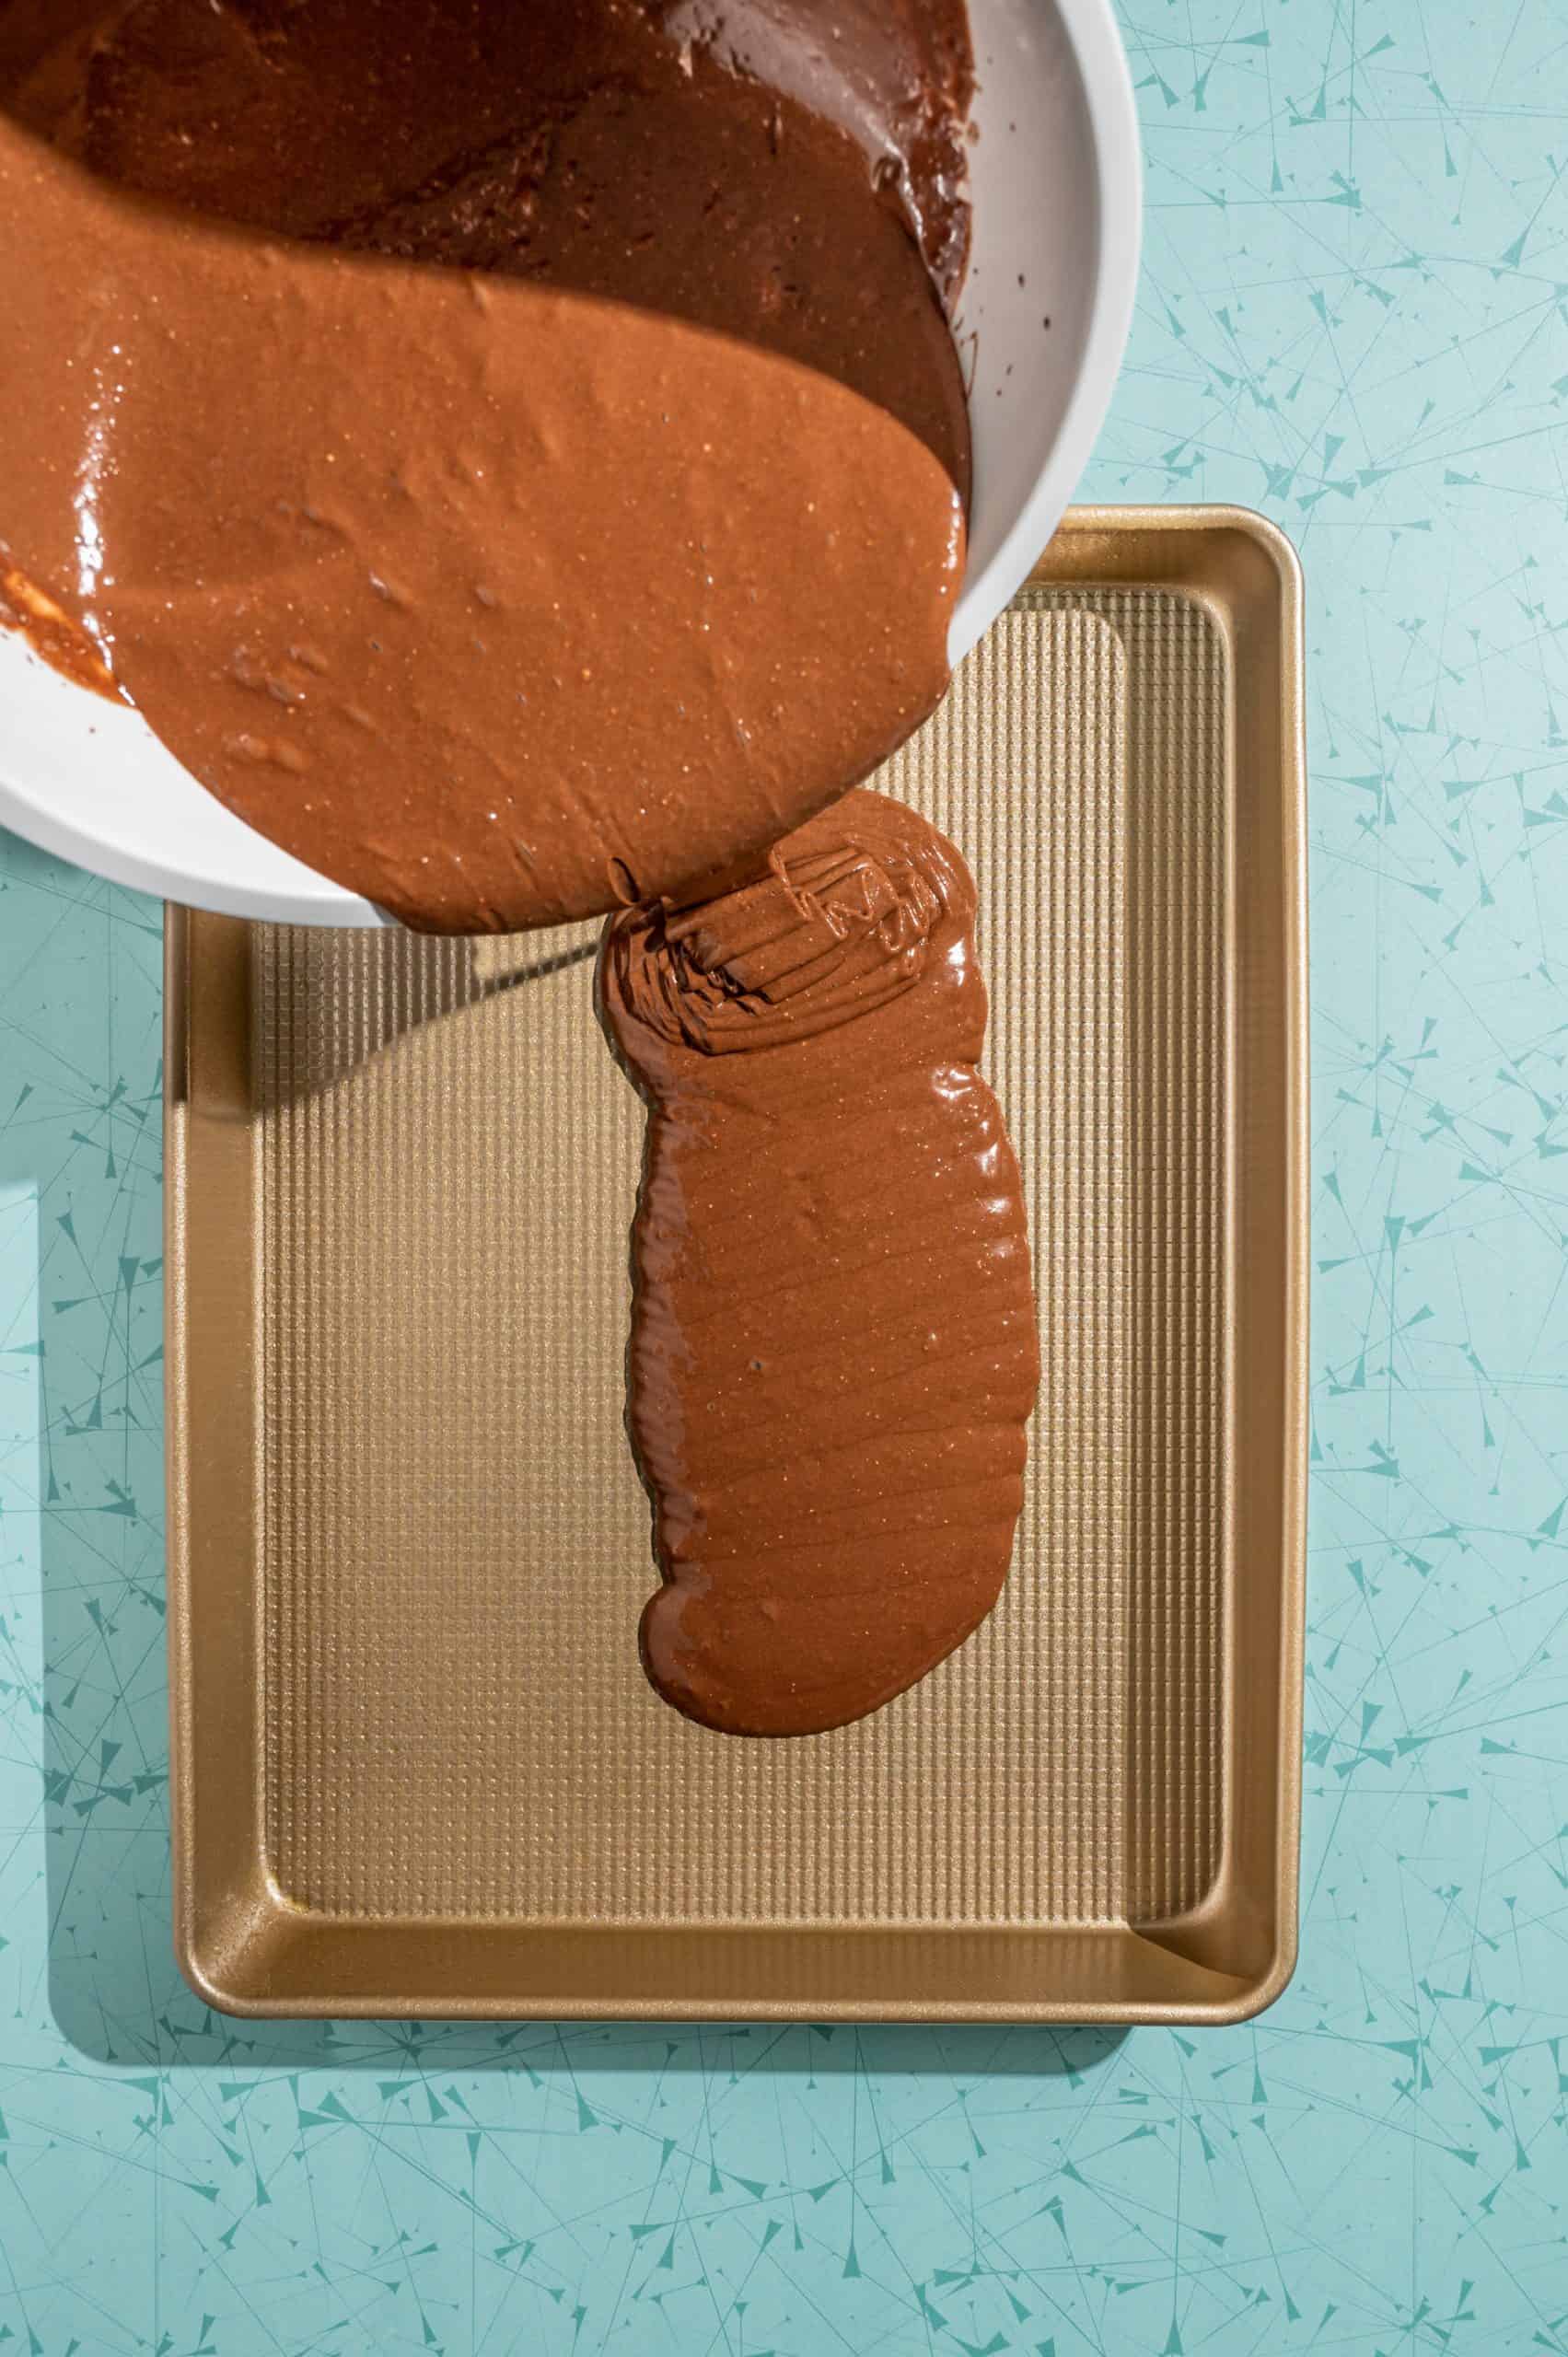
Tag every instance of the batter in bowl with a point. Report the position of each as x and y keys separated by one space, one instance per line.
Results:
x=515 y=458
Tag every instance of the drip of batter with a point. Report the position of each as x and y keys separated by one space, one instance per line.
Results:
x=834 y=1352
x=513 y=455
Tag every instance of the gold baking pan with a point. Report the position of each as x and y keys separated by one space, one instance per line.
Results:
x=417 y=1770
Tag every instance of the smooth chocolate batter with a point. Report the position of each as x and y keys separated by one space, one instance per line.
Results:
x=834 y=1354
x=494 y=596
x=755 y=168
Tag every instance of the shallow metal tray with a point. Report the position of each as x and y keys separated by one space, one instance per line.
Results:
x=417 y=1770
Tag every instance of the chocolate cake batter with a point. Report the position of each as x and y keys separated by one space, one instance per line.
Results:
x=834 y=1354
x=587 y=509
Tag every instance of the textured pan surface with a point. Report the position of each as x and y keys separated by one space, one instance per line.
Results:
x=418 y=1767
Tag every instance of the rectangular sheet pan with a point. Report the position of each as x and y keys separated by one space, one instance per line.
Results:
x=417 y=1770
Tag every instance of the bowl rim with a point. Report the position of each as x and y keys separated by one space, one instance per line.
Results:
x=297 y=894
x=1112 y=114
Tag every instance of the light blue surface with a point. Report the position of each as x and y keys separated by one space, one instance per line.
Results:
x=1354 y=316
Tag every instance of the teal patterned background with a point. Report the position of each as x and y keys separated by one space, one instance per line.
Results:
x=1354 y=315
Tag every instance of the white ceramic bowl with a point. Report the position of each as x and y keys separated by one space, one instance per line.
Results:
x=1056 y=187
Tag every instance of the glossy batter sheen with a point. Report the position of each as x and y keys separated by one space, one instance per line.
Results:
x=574 y=569
x=834 y=1352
